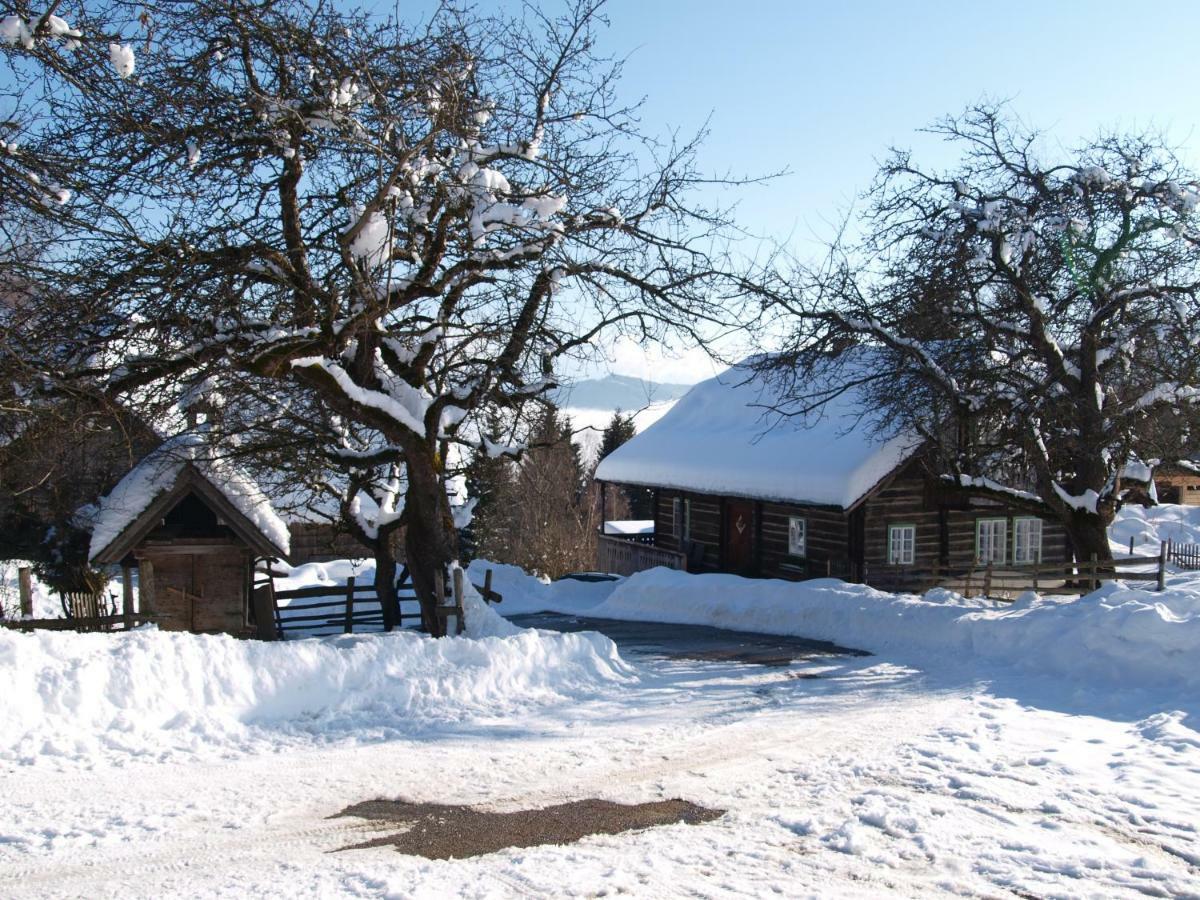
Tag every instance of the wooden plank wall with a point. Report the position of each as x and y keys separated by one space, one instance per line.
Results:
x=906 y=501
x=705 y=525
x=827 y=539
x=312 y=542
x=903 y=502
x=827 y=534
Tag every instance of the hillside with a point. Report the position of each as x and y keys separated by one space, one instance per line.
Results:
x=617 y=392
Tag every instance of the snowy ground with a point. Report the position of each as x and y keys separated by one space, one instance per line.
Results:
x=1047 y=750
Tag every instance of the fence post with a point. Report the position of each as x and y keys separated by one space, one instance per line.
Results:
x=987 y=581
x=1131 y=545
x=349 y=627
x=487 y=586
x=1162 y=566
x=25 y=588
x=460 y=625
x=127 y=596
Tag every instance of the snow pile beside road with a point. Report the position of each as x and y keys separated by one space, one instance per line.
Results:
x=153 y=694
x=1116 y=634
x=524 y=593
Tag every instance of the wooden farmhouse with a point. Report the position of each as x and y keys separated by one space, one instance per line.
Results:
x=737 y=491
x=194 y=527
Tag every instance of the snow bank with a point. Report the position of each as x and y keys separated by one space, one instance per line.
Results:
x=1116 y=634
x=1148 y=528
x=524 y=593
x=153 y=694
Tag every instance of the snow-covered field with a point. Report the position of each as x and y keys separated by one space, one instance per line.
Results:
x=1049 y=749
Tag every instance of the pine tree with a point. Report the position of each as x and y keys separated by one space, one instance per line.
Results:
x=486 y=476
x=619 y=430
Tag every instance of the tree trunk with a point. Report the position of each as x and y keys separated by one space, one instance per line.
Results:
x=1088 y=533
x=385 y=581
x=430 y=538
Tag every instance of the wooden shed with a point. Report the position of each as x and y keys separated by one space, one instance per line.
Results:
x=1178 y=482
x=737 y=490
x=194 y=527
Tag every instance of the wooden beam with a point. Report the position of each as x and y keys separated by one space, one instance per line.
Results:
x=25 y=588
x=146 y=587
x=127 y=594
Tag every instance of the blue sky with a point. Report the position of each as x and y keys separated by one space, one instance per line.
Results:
x=824 y=89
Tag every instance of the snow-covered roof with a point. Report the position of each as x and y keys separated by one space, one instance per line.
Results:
x=722 y=439
x=629 y=526
x=158 y=474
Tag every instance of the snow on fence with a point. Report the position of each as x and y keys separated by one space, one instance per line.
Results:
x=623 y=557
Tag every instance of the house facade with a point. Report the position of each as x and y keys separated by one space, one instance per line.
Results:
x=738 y=491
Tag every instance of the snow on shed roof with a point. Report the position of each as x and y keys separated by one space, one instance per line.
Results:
x=719 y=439
x=158 y=473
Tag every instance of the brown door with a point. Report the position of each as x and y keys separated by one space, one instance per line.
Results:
x=739 y=536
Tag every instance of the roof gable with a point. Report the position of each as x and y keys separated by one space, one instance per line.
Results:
x=723 y=438
x=162 y=479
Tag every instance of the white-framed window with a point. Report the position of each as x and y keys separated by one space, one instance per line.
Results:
x=797 y=536
x=1027 y=540
x=902 y=545
x=991 y=541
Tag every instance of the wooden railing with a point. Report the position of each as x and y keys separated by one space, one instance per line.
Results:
x=325 y=610
x=1186 y=556
x=1006 y=581
x=623 y=557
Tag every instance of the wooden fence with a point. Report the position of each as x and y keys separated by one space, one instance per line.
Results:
x=82 y=611
x=1005 y=582
x=325 y=610
x=624 y=557
x=1186 y=556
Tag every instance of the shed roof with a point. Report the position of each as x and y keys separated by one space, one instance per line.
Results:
x=723 y=438
x=164 y=477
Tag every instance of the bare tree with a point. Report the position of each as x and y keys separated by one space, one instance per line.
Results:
x=1029 y=318
x=544 y=516
x=411 y=223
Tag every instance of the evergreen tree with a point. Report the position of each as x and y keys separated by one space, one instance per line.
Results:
x=486 y=476
x=619 y=430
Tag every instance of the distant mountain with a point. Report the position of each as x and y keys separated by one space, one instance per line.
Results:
x=617 y=392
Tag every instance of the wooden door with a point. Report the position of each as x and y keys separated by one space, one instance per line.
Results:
x=174 y=593
x=739 y=536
